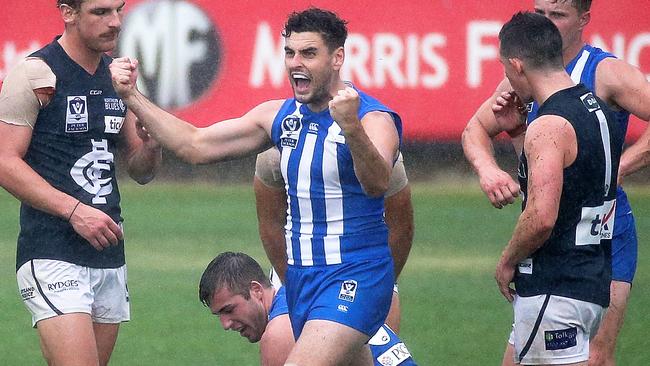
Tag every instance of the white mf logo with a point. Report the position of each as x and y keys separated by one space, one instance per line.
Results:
x=348 y=290
x=87 y=172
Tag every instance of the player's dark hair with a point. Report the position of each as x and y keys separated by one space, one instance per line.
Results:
x=74 y=4
x=532 y=38
x=233 y=271
x=332 y=28
x=581 y=5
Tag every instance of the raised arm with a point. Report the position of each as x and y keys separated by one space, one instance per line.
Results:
x=226 y=140
x=550 y=146
x=373 y=141
x=624 y=86
x=498 y=186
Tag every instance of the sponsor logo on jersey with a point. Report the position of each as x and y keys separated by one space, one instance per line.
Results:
x=596 y=224
x=96 y=92
x=114 y=104
x=560 y=339
x=342 y=308
x=76 y=118
x=590 y=102
x=113 y=124
x=63 y=285
x=395 y=355
x=28 y=293
x=313 y=127
x=526 y=266
x=291 y=126
x=348 y=290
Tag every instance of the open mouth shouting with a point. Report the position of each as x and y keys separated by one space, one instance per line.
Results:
x=301 y=82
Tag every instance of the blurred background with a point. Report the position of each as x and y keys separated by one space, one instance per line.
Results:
x=434 y=62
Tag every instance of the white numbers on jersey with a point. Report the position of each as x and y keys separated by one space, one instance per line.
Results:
x=87 y=172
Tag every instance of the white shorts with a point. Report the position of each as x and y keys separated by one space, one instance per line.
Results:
x=50 y=288
x=562 y=335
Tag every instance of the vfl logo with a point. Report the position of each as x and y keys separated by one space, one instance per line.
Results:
x=76 y=119
x=88 y=171
x=348 y=290
x=291 y=126
x=590 y=102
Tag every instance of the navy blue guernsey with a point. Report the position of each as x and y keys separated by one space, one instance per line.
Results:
x=575 y=261
x=72 y=147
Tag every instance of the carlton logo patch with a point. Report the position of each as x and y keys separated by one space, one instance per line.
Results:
x=76 y=117
x=560 y=339
x=348 y=290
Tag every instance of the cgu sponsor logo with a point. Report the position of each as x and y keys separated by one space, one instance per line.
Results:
x=63 y=285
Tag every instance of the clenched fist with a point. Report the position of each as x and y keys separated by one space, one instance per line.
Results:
x=124 y=74
x=344 y=109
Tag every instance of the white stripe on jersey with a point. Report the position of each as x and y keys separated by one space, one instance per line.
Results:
x=333 y=200
x=576 y=74
x=303 y=192
x=604 y=134
x=284 y=162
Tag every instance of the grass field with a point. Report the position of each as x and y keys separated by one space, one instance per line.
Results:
x=452 y=311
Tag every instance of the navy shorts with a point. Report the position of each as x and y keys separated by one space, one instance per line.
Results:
x=354 y=294
x=624 y=248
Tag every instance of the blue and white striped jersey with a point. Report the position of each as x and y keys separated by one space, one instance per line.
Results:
x=583 y=70
x=330 y=219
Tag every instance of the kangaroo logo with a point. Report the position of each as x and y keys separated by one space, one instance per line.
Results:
x=89 y=170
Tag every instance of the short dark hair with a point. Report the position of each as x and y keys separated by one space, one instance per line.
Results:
x=534 y=39
x=74 y=4
x=234 y=271
x=332 y=28
x=581 y=5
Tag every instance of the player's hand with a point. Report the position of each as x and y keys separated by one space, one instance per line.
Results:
x=124 y=74
x=95 y=226
x=504 y=276
x=510 y=113
x=143 y=134
x=498 y=186
x=344 y=109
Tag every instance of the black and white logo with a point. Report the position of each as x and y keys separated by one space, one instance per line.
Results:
x=178 y=47
x=348 y=290
x=590 y=102
x=92 y=171
x=76 y=117
x=291 y=126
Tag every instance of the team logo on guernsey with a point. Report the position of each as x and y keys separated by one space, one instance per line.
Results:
x=590 y=102
x=291 y=126
x=394 y=355
x=113 y=124
x=92 y=171
x=348 y=290
x=76 y=118
x=114 y=104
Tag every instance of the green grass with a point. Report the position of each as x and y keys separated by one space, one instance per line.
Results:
x=452 y=313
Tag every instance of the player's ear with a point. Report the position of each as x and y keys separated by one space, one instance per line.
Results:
x=68 y=14
x=338 y=57
x=517 y=65
x=584 y=19
x=256 y=289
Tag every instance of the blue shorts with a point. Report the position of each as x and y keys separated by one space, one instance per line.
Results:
x=386 y=346
x=624 y=248
x=354 y=294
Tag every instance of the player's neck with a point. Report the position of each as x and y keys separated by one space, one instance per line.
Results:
x=267 y=299
x=571 y=51
x=547 y=83
x=75 y=48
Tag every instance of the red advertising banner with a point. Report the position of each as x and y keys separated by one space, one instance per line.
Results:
x=433 y=61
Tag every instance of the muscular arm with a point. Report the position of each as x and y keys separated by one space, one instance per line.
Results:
x=550 y=146
x=277 y=341
x=497 y=185
x=226 y=140
x=622 y=85
x=399 y=216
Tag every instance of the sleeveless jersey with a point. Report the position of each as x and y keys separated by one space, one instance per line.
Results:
x=575 y=261
x=330 y=219
x=72 y=148
x=583 y=70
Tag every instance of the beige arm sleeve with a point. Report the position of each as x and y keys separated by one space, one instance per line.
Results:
x=19 y=105
x=398 y=179
x=267 y=168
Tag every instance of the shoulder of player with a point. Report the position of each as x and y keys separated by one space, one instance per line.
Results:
x=548 y=131
x=266 y=109
x=613 y=74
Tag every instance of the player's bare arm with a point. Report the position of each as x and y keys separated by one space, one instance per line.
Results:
x=550 y=146
x=399 y=219
x=373 y=141
x=497 y=185
x=622 y=85
x=271 y=205
x=19 y=179
x=142 y=152
x=221 y=141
